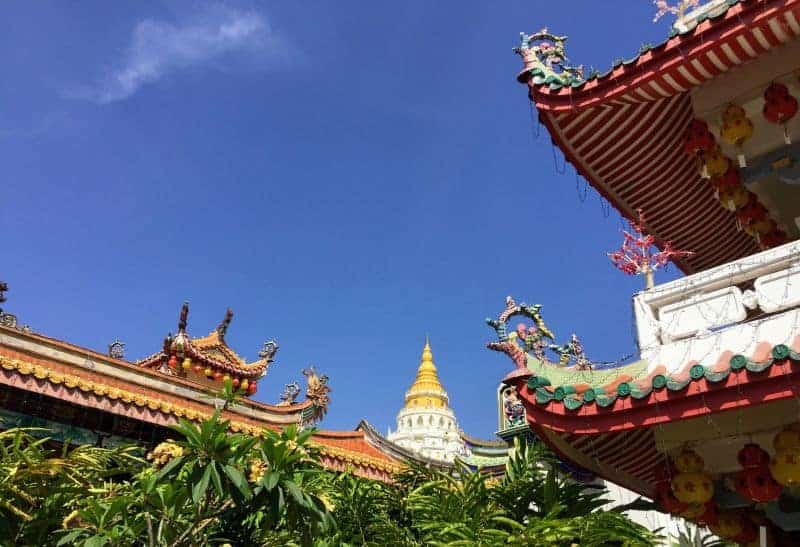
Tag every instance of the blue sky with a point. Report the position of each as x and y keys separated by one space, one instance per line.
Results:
x=348 y=177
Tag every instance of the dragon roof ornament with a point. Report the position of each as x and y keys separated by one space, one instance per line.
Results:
x=534 y=339
x=545 y=60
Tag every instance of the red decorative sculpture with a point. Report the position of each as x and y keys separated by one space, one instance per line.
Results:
x=637 y=256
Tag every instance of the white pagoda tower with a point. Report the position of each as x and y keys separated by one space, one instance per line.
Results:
x=426 y=424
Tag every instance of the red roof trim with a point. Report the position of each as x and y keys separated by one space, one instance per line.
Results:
x=676 y=52
x=740 y=390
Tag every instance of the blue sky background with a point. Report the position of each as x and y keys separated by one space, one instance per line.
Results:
x=346 y=176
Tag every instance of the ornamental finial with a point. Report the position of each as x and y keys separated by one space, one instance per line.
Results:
x=183 y=319
x=268 y=350
x=636 y=256
x=222 y=328
x=545 y=60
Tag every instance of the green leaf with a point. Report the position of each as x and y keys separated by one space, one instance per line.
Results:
x=238 y=481
x=295 y=492
x=175 y=462
x=271 y=479
x=70 y=538
x=200 y=487
x=216 y=480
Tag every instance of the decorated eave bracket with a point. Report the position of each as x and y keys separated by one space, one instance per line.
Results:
x=536 y=339
x=545 y=60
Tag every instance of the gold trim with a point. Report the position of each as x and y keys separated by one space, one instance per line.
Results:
x=110 y=392
x=358 y=459
x=137 y=399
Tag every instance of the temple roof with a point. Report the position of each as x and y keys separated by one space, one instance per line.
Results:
x=623 y=130
x=211 y=351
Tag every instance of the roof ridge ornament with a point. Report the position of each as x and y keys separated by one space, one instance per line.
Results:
x=545 y=60
x=183 y=319
x=534 y=339
x=222 y=328
x=268 y=350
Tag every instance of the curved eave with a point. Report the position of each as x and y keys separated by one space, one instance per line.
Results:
x=252 y=371
x=695 y=392
x=747 y=28
x=623 y=132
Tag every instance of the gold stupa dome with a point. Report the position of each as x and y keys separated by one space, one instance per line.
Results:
x=426 y=391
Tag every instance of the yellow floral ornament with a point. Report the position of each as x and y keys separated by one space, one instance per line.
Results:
x=164 y=453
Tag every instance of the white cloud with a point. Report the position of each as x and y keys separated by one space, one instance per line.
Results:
x=213 y=38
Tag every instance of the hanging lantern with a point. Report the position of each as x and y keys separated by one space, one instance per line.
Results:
x=779 y=107
x=715 y=163
x=664 y=496
x=736 y=130
x=243 y=385
x=226 y=378
x=699 y=139
x=733 y=198
x=235 y=383
x=198 y=369
x=728 y=179
x=701 y=513
x=172 y=362
x=751 y=213
x=772 y=239
x=187 y=365
x=734 y=526
x=754 y=482
x=785 y=465
x=217 y=376
x=252 y=388
x=208 y=372
x=692 y=484
x=761 y=228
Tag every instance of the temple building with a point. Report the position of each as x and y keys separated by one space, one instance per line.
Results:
x=426 y=425
x=84 y=396
x=696 y=141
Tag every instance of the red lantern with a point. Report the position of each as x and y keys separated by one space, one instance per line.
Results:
x=252 y=388
x=710 y=515
x=698 y=138
x=235 y=383
x=779 y=107
x=754 y=482
x=664 y=496
x=752 y=212
x=729 y=180
x=772 y=239
x=173 y=362
x=218 y=376
x=198 y=369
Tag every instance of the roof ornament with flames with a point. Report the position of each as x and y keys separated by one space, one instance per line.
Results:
x=637 y=257
x=317 y=391
x=209 y=358
x=536 y=339
x=545 y=59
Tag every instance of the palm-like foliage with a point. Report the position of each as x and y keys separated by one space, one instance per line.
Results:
x=40 y=485
x=210 y=487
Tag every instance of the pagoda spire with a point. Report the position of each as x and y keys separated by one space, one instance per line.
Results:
x=426 y=390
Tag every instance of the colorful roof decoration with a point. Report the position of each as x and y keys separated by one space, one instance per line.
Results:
x=209 y=358
x=623 y=130
x=586 y=415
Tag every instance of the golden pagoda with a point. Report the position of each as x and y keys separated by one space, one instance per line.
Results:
x=426 y=423
x=426 y=391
